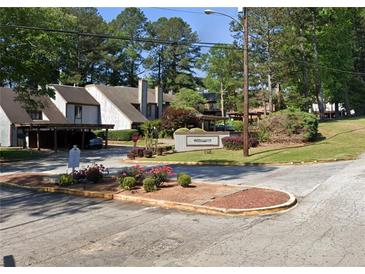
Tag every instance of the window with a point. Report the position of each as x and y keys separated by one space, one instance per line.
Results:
x=78 y=112
x=149 y=110
x=36 y=115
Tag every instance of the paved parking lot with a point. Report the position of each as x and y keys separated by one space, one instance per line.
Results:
x=325 y=229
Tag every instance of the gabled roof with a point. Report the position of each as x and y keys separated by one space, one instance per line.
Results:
x=17 y=114
x=123 y=99
x=211 y=97
x=75 y=95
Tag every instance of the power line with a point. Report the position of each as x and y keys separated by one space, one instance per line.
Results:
x=178 y=10
x=159 y=41
x=140 y=39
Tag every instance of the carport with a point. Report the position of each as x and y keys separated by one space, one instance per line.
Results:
x=58 y=135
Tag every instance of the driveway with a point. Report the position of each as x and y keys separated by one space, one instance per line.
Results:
x=299 y=180
x=326 y=228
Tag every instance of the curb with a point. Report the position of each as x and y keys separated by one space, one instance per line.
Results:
x=213 y=210
x=232 y=164
x=169 y=204
x=84 y=193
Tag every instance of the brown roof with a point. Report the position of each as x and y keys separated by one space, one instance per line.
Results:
x=75 y=95
x=123 y=99
x=17 y=114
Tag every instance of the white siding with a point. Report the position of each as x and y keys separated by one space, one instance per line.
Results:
x=59 y=102
x=90 y=114
x=109 y=113
x=4 y=129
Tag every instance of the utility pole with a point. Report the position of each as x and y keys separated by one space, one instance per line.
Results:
x=245 y=83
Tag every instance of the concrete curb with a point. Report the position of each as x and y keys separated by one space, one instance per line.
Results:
x=212 y=210
x=84 y=193
x=231 y=164
x=169 y=204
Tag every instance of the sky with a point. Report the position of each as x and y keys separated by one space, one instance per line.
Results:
x=210 y=28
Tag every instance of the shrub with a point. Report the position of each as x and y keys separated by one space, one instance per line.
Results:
x=236 y=143
x=182 y=130
x=95 y=172
x=236 y=124
x=131 y=155
x=147 y=153
x=184 y=180
x=232 y=143
x=66 y=180
x=149 y=184
x=160 y=174
x=136 y=172
x=128 y=183
x=122 y=135
x=288 y=126
x=174 y=118
x=181 y=173
x=197 y=130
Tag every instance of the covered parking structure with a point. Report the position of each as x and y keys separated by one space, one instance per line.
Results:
x=57 y=135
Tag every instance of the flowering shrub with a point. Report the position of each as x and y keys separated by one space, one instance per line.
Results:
x=160 y=174
x=136 y=172
x=93 y=173
x=232 y=143
x=236 y=143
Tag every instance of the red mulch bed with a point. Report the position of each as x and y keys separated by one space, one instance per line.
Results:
x=214 y=195
x=250 y=198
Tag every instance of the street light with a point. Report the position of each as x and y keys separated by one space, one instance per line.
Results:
x=244 y=26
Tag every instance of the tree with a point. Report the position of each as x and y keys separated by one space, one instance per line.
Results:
x=172 y=65
x=30 y=59
x=224 y=74
x=85 y=54
x=125 y=60
x=174 y=118
x=188 y=98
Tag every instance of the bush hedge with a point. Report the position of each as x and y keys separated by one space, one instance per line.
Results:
x=236 y=143
x=288 y=126
x=117 y=135
x=182 y=130
x=197 y=130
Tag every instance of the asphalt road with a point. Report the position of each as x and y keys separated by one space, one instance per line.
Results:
x=326 y=228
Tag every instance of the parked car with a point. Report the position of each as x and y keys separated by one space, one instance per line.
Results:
x=224 y=128
x=91 y=141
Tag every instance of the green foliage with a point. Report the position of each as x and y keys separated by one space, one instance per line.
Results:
x=149 y=185
x=236 y=124
x=173 y=66
x=188 y=98
x=288 y=126
x=181 y=173
x=174 y=118
x=121 y=135
x=151 y=131
x=184 y=180
x=66 y=180
x=128 y=183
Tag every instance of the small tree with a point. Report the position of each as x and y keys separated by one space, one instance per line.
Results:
x=188 y=98
x=151 y=130
x=174 y=118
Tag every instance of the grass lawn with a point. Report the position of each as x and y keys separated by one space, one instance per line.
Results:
x=344 y=139
x=14 y=153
